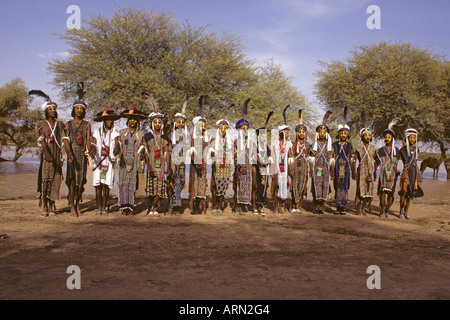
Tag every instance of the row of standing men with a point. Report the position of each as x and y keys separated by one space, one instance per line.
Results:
x=288 y=164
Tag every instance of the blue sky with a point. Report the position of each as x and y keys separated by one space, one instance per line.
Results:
x=295 y=33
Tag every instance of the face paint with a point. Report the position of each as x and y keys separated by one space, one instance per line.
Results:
x=343 y=135
x=244 y=128
x=387 y=138
x=322 y=134
x=367 y=136
x=107 y=124
x=412 y=139
x=223 y=129
x=79 y=109
x=132 y=122
x=179 y=124
x=157 y=124
x=301 y=134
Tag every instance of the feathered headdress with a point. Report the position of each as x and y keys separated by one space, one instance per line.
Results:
x=324 y=122
x=365 y=124
x=80 y=95
x=243 y=121
x=200 y=117
x=409 y=132
x=390 y=127
x=48 y=102
x=323 y=126
x=284 y=126
x=344 y=125
x=390 y=130
x=224 y=120
x=301 y=125
x=182 y=114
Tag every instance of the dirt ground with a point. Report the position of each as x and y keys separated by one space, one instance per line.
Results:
x=205 y=257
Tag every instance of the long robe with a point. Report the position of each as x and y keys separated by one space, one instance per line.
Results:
x=222 y=168
x=320 y=183
x=50 y=172
x=279 y=154
x=77 y=170
x=156 y=184
x=365 y=180
x=243 y=171
x=104 y=172
x=408 y=180
x=128 y=166
x=388 y=169
x=342 y=171
x=300 y=169
x=179 y=167
x=198 y=169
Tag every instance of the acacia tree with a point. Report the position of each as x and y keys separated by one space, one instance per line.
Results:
x=17 y=121
x=138 y=51
x=389 y=80
x=272 y=91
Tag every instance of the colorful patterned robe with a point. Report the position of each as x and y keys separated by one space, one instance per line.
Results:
x=408 y=180
x=198 y=169
x=343 y=153
x=300 y=169
x=77 y=170
x=243 y=173
x=157 y=180
x=320 y=184
x=388 y=169
x=50 y=172
x=128 y=166
x=222 y=168
x=365 y=178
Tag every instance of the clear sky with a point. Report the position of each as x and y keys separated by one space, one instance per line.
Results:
x=295 y=33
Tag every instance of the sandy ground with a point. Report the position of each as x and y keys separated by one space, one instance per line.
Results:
x=191 y=257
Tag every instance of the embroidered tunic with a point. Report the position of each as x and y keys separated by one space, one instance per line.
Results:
x=342 y=171
x=320 y=183
x=365 y=184
x=179 y=168
x=243 y=172
x=280 y=154
x=76 y=171
x=128 y=165
x=408 y=179
x=105 y=168
x=50 y=172
x=300 y=169
x=388 y=169
x=198 y=168
x=157 y=180
x=222 y=167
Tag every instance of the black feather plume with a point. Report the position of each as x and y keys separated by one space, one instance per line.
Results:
x=284 y=113
x=200 y=105
x=325 y=117
x=345 y=115
x=245 y=110
x=183 y=110
x=40 y=94
x=225 y=117
x=268 y=118
x=364 y=118
x=300 y=116
x=80 y=90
